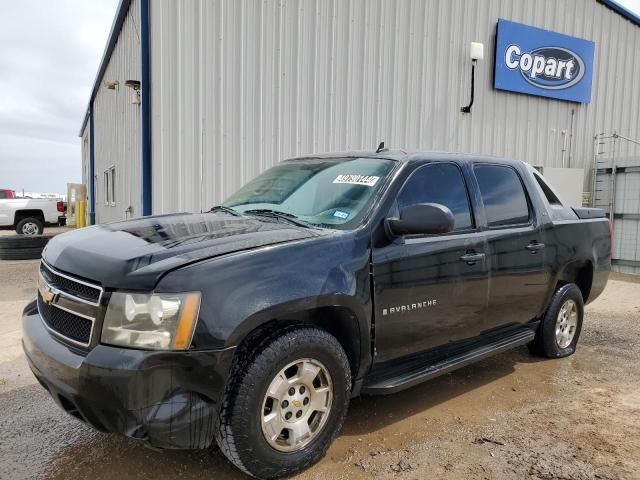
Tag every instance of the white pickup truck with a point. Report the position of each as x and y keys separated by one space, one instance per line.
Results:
x=29 y=215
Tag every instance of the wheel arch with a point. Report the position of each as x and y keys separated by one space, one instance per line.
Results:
x=344 y=322
x=26 y=213
x=579 y=272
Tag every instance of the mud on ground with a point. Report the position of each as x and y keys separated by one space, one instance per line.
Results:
x=511 y=416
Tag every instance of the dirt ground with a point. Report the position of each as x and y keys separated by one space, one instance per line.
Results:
x=512 y=416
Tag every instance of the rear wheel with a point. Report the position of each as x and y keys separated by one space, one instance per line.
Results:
x=285 y=402
x=30 y=226
x=560 y=328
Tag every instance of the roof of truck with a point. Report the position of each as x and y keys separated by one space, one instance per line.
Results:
x=409 y=155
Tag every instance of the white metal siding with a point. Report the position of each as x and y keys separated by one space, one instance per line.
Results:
x=238 y=85
x=626 y=205
x=117 y=125
x=627 y=230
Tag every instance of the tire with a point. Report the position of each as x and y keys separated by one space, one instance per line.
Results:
x=20 y=253
x=24 y=241
x=558 y=335
x=30 y=226
x=246 y=405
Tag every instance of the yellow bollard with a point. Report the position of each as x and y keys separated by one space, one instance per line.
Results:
x=80 y=214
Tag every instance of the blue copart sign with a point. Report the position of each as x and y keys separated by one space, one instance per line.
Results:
x=544 y=63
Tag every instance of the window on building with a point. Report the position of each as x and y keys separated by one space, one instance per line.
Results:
x=112 y=173
x=110 y=186
x=505 y=202
x=107 y=188
x=439 y=183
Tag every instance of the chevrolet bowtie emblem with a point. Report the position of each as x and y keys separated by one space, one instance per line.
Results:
x=296 y=403
x=48 y=294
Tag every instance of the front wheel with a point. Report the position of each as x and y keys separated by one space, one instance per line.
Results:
x=285 y=402
x=560 y=328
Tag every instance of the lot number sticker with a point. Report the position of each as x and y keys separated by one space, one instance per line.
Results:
x=368 y=180
x=340 y=214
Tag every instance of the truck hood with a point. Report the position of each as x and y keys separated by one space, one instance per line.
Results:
x=134 y=254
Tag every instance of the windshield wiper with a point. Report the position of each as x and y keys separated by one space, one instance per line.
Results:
x=222 y=208
x=289 y=217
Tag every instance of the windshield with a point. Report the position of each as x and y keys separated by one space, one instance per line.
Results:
x=332 y=192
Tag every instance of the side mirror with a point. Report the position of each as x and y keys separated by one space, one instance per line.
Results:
x=421 y=218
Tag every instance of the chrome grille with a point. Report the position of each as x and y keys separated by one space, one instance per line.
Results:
x=69 y=307
x=66 y=324
x=72 y=286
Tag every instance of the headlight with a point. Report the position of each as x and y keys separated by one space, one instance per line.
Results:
x=159 y=321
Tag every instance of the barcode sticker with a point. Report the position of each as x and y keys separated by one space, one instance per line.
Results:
x=368 y=180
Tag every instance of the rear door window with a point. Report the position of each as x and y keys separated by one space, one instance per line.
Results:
x=504 y=198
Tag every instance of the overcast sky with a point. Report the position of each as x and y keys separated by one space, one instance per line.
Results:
x=49 y=55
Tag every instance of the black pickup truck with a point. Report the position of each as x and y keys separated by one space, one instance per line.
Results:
x=324 y=278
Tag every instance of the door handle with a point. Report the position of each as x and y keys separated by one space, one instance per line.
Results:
x=472 y=257
x=534 y=247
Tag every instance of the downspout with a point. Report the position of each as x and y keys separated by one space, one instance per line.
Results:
x=564 y=146
x=573 y=113
x=92 y=186
x=145 y=120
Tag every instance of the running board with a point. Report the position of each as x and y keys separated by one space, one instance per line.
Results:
x=393 y=384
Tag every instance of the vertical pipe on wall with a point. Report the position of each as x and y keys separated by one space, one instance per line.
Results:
x=92 y=186
x=594 y=168
x=145 y=87
x=573 y=112
x=612 y=185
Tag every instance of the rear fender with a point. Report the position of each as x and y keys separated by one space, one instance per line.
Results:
x=579 y=272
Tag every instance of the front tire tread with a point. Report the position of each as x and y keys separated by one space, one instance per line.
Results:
x=252 y=364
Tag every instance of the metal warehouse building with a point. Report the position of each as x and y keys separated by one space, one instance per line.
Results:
x=194 y=98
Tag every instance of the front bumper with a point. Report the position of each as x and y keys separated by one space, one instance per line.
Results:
x=166 y=399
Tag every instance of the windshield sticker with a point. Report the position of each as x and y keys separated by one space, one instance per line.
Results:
x=368 y=180
x=340 y=214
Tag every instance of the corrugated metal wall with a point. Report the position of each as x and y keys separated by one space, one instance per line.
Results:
x=117 y=126
x=626 y=204
x=626 y=229
x=238 y=85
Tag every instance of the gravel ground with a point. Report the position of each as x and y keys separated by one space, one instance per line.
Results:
x=511 y=416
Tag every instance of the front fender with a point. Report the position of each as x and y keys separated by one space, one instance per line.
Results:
x=242 y=291
x=293 y=309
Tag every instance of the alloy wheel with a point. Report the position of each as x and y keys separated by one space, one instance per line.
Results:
x=296 y=405
x=566 y=323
